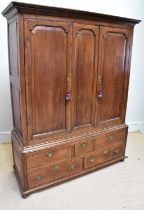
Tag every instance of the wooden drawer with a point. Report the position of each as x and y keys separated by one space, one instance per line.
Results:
x=112 y=138
x=104 y=155
x=83 y=147
x=48 y=156
x=54 y=171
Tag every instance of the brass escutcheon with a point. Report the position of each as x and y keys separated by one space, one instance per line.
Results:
x=110 y=137
x=56 y=167
x=106 y=152
x=38 y=178
x=72 y=167
x=117 y=151
x=92 y=160
x=83 y=145
x=50 y=154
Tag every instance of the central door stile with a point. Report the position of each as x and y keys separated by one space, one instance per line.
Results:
x=69 y=83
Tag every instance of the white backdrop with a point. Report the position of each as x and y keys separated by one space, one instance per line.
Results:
x=125 y=8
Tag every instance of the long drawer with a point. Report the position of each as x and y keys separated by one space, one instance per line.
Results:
x=54 y=172
x=50 y=165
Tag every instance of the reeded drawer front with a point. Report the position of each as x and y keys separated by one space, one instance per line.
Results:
x=103 y=155
x=83 y=147
x=54 y=171
x=48 y=156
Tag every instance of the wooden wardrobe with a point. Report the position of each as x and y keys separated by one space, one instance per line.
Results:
x=69 y=75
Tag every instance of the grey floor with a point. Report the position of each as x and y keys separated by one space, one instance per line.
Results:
x=120 y=186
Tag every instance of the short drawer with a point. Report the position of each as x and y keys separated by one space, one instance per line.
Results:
x=54 y=172
x=104 y=155
x=110 y=139
x=83 y=147
x=45 y=157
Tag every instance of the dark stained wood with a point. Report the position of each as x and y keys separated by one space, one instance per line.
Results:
x=14 y=75
x=83 y=147
x=86 y=56
x=16 y=7
x=112 y=138
x=54 y=172
x=104 y=155
x=114 y=47
x=45 y=157
x=16 y=109
x=47 y=53
x=49 y=59
x=13 y=48
x=69 y=75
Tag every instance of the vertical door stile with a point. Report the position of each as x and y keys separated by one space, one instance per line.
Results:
x=99 y=76
x=85 y=62
x=69 y=79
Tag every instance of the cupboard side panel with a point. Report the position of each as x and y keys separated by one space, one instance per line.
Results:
x=14 y=74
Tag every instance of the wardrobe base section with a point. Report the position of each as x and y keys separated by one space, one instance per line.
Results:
x=26 y=193
x=41 y=166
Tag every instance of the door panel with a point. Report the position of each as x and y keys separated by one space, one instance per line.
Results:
x=49 y=67
x=85 y=60
x=112 y=71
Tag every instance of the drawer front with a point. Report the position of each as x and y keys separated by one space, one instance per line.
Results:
x=47 y=156
x=83 y=148
x=104 y=155
x=113 y=138
x=54 y=172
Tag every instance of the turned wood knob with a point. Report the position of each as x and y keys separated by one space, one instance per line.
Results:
x=100 y=94
x=68 y=96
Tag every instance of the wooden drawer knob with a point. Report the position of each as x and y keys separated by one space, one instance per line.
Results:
x=37 y=178
x=106 y=152
x=92 y=160
x=50 y=154
x=83 y=145
x=100 y=94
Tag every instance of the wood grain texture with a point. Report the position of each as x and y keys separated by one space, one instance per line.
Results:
x=69 y=75
x=112 y=68
x=86 y=56
x=47 y=53
x=49 y=60
x=24 y=8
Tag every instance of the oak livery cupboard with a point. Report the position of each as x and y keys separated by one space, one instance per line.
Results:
x=69 y=75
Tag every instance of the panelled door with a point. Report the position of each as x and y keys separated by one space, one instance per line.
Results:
x=67 y=88
x=47 y=51
x=84 y=65
x=112 y=75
